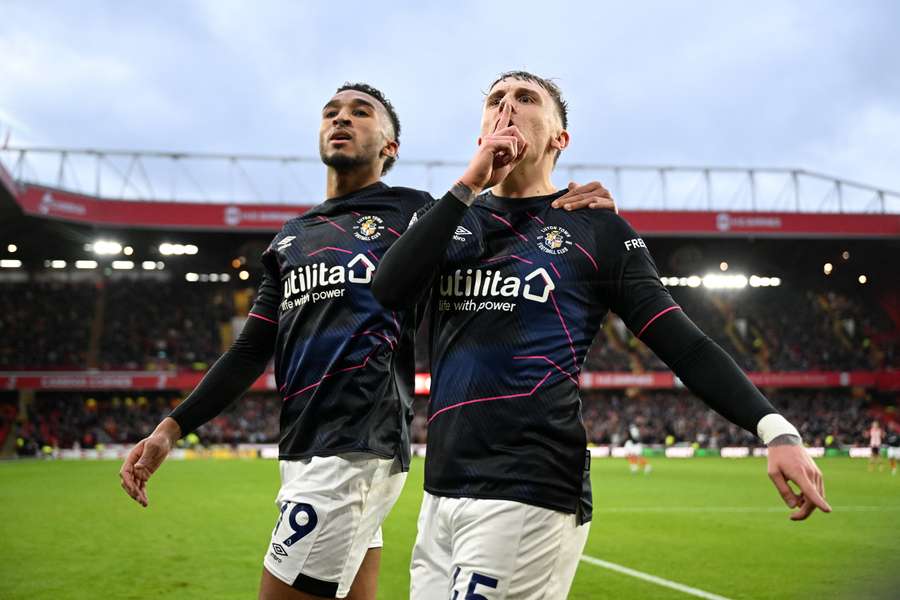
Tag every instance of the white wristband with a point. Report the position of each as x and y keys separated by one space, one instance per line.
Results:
x=773 y=425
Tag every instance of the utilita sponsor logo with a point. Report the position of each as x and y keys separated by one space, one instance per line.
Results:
x=305 y=283
x=477 y=283
x=50 y=204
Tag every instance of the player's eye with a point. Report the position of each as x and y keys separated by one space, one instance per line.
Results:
x=329 y=114
x=493 y=100
x=526 y=99
x=359 y=112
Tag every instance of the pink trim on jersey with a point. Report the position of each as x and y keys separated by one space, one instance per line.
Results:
x=332 y=374
x=392 y=230
x=523 y=395
x=355 y=214
x=329 y=248
x=658 y=315
x=258 y=316
x=332 y=223
x=496 y=258
x=566 y=329
x=555 y=269
x=536 y=218
x=559 y=368
x=372 y=254
x=508 y=224
x=590 y=258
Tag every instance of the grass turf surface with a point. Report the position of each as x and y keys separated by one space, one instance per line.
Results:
x=68 y=531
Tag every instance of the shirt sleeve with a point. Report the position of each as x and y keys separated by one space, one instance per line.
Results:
x=633 y=288
x=408 y=268
x=638 y=296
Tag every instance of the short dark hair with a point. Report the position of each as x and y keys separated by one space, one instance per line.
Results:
x=365 y=88
x=562 y=108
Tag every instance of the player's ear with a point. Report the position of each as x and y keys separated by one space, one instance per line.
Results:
x=561 y=141
x=391 y=149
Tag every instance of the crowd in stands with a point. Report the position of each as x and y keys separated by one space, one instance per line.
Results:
x=45 y=325
x=825 y=418
x=79 y=420
x=150 y=325
x=768 y=330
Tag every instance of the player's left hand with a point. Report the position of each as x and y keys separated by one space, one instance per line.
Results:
x=589 y=195
x=791 y=463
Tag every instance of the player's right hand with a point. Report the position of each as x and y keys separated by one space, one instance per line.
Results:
x=144 y=459
x=497 y=154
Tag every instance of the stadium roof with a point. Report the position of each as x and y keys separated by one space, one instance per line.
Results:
x=257 y=179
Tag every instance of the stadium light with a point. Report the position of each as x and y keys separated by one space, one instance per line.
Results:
x=12 y=248
x=192 y=277
x=128 y=250
x=236 y=263
x=723 y=266
x=863 y=279
x=845 y=255
x=106 y=247
x=775 y=281
x=214 y=277
x=168 y=249
x=148 y=265
x=244 y=275
x=10 y=263
x=694 y=281
x=828 y=268
x=191 y=249
x=58 y=264
x=225 y=277
x=724 y=282
x=85 y=264
x=122 y=265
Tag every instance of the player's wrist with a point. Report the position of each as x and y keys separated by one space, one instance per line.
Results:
x=465 y=191
x=775 y=427
x=169 y=429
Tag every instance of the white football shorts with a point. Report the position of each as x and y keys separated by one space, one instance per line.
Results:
x=331 y=511
x=494 y=550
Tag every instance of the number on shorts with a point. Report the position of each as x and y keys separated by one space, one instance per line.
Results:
x=300 y=531
x=476 y=580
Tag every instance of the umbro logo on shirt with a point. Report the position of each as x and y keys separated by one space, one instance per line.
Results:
x=286 y=242
x=460 y=233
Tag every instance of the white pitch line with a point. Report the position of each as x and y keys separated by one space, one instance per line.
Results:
x=652 y=578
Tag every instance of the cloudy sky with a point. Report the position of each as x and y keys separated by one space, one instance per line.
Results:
x=814 y=85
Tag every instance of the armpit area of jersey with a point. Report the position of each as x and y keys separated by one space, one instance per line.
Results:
x=229 y=377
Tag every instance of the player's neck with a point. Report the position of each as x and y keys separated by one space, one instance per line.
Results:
x=343 y=182
x=526 y=181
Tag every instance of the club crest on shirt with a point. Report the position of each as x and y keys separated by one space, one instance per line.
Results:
x=368 y=228
x=554 y=240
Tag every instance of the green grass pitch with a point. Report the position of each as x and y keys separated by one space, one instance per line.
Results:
x=68 y=531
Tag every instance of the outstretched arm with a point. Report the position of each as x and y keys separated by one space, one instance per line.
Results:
x=224 y=383
x=645 y=305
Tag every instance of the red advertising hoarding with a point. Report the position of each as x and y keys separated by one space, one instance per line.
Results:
x=597 y=380
x=57 y=204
